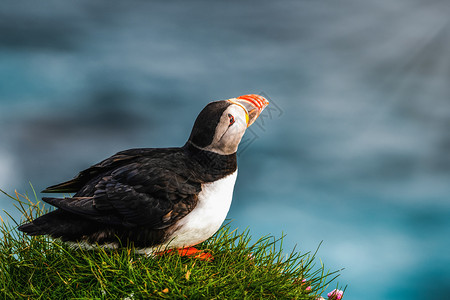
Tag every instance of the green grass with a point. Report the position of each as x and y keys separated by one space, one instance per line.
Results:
x=42 y=268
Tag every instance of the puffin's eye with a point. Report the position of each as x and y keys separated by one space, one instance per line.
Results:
x=231 y=119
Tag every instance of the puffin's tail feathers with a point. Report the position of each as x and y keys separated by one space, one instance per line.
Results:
x=58 y=224
x=46 y=224
x=31 y=229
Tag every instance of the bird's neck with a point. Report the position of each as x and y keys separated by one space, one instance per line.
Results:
x=212 y=164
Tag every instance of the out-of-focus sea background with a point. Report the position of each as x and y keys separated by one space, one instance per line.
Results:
x=354 y=149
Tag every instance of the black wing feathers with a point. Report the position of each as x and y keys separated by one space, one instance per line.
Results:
x=132 y=189
x=131 y=195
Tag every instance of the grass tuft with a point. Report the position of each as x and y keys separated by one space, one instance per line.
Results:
x=40 y=267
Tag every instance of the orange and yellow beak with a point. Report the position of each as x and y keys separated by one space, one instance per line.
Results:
x=252 y=104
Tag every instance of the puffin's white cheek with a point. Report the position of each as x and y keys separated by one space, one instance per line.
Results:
x=241 y=121
x=234 y=131
x=236 y=135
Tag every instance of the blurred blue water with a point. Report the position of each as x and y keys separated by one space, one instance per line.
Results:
x=354 y=152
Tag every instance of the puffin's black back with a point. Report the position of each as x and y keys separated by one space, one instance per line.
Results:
x=205 y=125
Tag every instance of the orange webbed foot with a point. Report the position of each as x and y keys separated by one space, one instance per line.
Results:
x=191 y=252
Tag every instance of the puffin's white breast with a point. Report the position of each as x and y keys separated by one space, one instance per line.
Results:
x=206 y=218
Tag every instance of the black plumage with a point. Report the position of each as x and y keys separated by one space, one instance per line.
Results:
x=135 y=195
x=205 y=124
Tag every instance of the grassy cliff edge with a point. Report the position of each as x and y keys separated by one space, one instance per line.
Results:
x=40 y=267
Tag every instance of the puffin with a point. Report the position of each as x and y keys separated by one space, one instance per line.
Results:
x=157 y=199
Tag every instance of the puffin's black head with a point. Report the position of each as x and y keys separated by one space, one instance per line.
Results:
x=221 y=124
